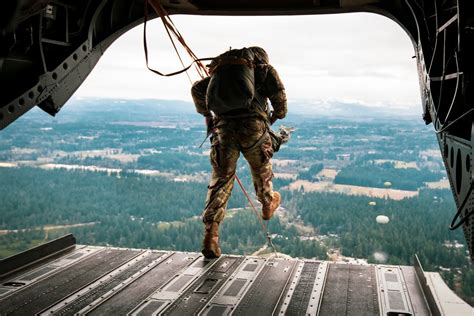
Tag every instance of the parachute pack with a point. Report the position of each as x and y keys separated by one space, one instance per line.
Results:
x=232 y=83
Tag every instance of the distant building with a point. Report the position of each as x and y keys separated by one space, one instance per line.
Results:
x=344 y=157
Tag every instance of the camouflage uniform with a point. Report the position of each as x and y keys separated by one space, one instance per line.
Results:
x=246 y=132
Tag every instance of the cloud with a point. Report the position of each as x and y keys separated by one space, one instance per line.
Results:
x=362 y=57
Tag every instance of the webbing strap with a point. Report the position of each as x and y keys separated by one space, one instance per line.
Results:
x=258 y=143
x=222 y=61
x=170 y=29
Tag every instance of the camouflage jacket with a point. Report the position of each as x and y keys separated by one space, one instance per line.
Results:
x=268 y=85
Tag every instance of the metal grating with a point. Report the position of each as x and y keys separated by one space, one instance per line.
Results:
x=265 y=292
x=178 y=285
x=217 y=311
x=131 y=296
x=33 y=299
x=235 y=288
x=350 y=290
x=390 y=277
x=251 y=267
x=304 y=287
x=196 y=297
x=206 y=286
x=395 y=300
x=84 y=299
x=143 y=282
x=150 y=307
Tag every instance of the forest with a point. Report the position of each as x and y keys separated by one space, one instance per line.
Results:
x=369 y=174
x=152 y=212
x=40 y=199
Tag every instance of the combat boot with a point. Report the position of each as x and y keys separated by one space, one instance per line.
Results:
x=210 y=243
x=269 y=209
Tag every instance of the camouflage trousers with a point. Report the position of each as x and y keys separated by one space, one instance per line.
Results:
x=250 y=137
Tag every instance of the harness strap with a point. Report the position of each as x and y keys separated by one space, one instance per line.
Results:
x=231 y=60
x=258 y=143
x=171 y=29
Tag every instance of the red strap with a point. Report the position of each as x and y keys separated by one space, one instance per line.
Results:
x=264 y=227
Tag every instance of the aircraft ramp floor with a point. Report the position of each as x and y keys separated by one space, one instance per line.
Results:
x=63 y=278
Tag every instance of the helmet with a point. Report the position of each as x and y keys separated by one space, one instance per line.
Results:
x=261 y=56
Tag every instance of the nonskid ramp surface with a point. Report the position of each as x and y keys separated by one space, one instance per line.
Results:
x=197 y=296
x=267 y=290
x=33 y=299
x=131 y=296
x=112 y=281
x=81 y=300
x=303 y=290
x=350 y=290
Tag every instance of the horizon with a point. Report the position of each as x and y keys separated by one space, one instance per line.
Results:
x=328 y=110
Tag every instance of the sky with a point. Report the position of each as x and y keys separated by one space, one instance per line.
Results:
x=359 y=58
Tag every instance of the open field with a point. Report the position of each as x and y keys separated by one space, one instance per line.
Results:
x=441 y=184
x=326 y=173
x=47 y=228
x=283 y=162
x=350 y=190
x=285 y=175
x=398 y=164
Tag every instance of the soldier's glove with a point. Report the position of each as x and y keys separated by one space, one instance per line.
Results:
x=280 y=137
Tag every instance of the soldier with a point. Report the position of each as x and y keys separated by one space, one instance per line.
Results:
x=240 y=131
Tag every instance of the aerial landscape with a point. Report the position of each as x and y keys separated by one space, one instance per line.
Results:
x=357 y=186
